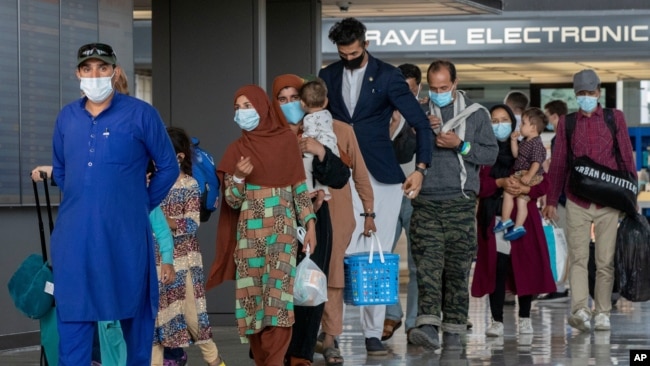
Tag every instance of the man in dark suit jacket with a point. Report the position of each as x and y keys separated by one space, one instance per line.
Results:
x=364 y=91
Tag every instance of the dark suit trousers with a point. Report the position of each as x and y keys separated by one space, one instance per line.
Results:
x=308 y=318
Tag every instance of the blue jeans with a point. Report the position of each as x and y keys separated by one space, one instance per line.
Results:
x=394 y=312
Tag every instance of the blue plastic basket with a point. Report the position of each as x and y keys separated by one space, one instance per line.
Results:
x=373 y=283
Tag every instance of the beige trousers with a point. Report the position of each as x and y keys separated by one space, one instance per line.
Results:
x=578 y=232
x=208 y=349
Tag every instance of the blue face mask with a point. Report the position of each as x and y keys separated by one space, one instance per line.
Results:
x=550 y=127
x=587 y=103
x=292 y=112
x=247 y=119
x=502 y=130
x=440 y=99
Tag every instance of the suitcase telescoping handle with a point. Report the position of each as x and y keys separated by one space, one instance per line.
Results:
x=47 y=201
x=41 y=228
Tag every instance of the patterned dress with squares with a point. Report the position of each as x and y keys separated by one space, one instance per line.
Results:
x=265 y=256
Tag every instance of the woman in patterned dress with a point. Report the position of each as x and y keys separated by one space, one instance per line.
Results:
x=182 y=318
x=265 y=198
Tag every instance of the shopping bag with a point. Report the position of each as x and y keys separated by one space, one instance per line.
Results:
x=632 y=260
x=599 y=184
x=616 y=188
x=310 y=285
x=30 y=287
x=371 y=278
x=557 y=249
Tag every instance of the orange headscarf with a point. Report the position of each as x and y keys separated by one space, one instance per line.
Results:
x=279 y=83
x=277 y=162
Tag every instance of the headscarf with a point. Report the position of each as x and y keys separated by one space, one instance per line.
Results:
x=295 y=81
x=272 y=147
x=277 y=162
x=279 y=83
x=489 y=206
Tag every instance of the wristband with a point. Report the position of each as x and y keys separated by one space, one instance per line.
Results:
x=368 y=214
x=465 y=149
x=237 y=180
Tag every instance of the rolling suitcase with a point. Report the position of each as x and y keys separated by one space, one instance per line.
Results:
x=49 y=331
x=31 y=287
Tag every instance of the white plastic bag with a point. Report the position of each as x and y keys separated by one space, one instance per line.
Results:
x=310 y=285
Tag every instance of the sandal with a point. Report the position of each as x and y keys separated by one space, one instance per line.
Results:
x=218 y=362
x=319 y=343
x=296 y=361
x=390 y=326
x=333 y=357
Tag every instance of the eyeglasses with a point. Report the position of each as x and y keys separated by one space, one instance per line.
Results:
x=98 y=49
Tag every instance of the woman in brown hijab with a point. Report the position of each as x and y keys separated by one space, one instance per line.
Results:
x=264 y=200
x=334 y=172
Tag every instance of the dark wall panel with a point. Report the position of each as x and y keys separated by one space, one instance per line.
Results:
x=9 y=104
x=39 y=85
x=79 y=19
x=206 y=53
x=115 y=21
x=293 y=40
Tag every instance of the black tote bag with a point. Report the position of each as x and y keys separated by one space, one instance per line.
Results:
x=597 y=183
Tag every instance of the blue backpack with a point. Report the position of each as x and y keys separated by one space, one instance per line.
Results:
x=205 y=173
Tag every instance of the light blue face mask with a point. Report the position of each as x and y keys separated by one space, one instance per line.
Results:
x=502 y=130
x=550 y=127
x=247 y=119
x=292 y=112
x=440 y=99
x=587 y=103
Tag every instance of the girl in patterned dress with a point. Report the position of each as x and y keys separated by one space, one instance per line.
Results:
x=265 y=198
x=182 y=318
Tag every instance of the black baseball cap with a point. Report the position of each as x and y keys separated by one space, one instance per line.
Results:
x=98 y=51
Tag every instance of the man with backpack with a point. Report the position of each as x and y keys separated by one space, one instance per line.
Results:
x=601 y=135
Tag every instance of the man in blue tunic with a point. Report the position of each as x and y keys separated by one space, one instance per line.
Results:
x=102 y=246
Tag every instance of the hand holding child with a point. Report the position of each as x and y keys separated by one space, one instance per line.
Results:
x=525 y=179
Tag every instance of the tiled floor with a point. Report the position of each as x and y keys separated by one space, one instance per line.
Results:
x=553 y=342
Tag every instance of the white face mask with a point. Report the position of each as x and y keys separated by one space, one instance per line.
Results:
x=97 y=89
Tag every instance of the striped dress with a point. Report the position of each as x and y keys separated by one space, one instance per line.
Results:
x=182 y=204
x=265 y=256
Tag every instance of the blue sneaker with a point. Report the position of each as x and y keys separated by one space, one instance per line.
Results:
x=515 y=233
x=502 y=225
